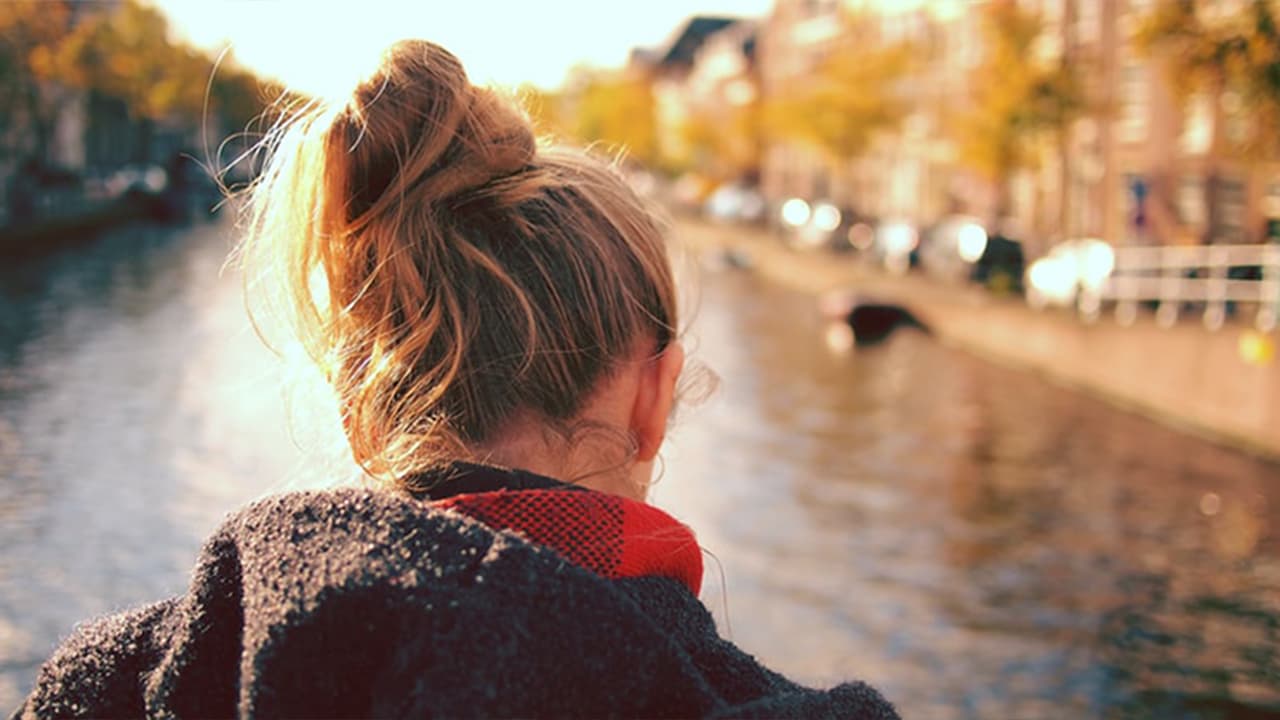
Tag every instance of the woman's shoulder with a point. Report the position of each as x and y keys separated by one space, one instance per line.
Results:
x=360 y=602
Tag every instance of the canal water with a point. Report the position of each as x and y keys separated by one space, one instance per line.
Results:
x=974 y=541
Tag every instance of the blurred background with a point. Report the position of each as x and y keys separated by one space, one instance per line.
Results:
x=991 y=286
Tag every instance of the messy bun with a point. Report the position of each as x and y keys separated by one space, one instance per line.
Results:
x=447 y=273
x=418 y=132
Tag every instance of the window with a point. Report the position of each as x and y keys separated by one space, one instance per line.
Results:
x=968 y=42
x=1228 y=211
x=1271 y=203
x=1220 y=12
x=1235 y=120
x=1191 y=205
x=1088 y=21
x=1051 y=11
x=1135 y=12
x=1135 y=101
x=1197 y=124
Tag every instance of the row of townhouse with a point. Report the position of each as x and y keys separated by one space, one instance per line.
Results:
x=1141 y=166
x=90 y=139
x=63 y=136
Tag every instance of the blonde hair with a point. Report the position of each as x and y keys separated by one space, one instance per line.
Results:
x=445 y=271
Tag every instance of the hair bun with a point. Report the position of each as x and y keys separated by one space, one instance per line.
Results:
x=497 y=139
x=419 y=127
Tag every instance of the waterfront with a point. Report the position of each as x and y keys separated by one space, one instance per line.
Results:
x=974 y=541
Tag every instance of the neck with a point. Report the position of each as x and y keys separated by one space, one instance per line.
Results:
x=599 y=458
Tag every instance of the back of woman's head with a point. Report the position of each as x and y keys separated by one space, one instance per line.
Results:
x=448 y=274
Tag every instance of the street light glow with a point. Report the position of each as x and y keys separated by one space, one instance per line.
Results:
x=1052 y=280
x=826 y=217
x=899 y=238
x=971 y=242
x=795 y=212
x=1096 y=260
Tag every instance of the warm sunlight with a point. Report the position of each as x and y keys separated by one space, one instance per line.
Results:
x=977 y=304
x=322 y=51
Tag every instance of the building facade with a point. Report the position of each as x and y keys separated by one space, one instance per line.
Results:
x=1142 y=164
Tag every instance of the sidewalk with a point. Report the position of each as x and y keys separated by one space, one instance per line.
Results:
x=1184 y=376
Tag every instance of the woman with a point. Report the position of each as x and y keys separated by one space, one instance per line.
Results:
x=498 y=322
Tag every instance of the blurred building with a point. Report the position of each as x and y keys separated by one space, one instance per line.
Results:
x=1145 y=165
x=62 y=140
x=793 y=41
x=1141 y=165
x=723 y=96
x=696 y=75
x=911 y=172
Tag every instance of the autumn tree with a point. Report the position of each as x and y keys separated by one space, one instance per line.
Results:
x=1019 y=103
x=545 y=108
x=239 y=97
x=126 y=53
x=616 y=109
x=851 y=98
x=1231 y=60
x=724 y=139
x=1223 y=54
x=31 y=33
x=122 y=51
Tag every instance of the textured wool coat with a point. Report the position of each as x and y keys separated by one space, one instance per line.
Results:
x=363 y=603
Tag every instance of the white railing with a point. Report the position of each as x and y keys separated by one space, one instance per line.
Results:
x=1174 y=275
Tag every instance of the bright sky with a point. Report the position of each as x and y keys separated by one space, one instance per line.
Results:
x=322 y=47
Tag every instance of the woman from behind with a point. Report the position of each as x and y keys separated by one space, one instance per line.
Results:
x=499 y=324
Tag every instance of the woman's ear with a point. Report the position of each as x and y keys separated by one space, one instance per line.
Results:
x=655 y=397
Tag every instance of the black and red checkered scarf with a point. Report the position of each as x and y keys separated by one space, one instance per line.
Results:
x=612 y=536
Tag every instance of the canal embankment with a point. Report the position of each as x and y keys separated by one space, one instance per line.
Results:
x=48 y=233
x=1195 y=379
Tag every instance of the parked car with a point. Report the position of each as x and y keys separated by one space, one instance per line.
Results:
x=1001 y=264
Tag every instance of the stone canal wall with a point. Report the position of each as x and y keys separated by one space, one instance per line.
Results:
x=1186 y=375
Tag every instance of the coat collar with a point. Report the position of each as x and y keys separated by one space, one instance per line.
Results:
x=612 y=536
